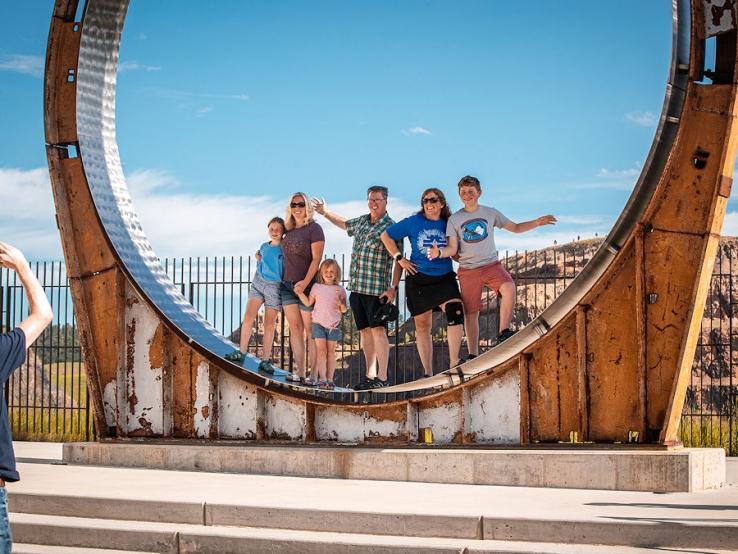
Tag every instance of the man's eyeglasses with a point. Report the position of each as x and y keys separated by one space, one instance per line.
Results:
x=431 y=200
x=297 y=204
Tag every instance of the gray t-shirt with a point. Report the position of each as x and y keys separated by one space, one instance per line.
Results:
x=475 y=233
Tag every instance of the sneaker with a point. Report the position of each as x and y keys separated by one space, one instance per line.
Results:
x=470 y=357
x=377 y=383
x=295 y=378
x=504 y=335
x=235 y=356
x=266 y=366
x=365 y=384
x=309 y=382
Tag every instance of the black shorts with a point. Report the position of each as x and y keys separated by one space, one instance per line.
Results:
x=426 y=292
x=364 y=306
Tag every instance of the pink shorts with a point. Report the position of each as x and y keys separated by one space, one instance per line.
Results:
x=493 y=276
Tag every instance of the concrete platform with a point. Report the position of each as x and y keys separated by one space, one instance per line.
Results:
x=625 y=469
x=175 y=511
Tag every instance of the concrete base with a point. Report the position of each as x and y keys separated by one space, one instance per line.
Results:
x=677 y=470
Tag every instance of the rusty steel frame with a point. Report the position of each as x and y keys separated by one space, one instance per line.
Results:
x=612 y=355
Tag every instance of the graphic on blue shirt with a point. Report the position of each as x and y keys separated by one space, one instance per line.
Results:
x=429 y=237
x=423 y=233
x=475 y=230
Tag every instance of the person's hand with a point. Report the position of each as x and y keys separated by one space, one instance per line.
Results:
x=258 y=255
x=300 y=286
x=434 y=252
x=11 y=257
x=408 y=266
x=319 y=205
x=390 y=294
x=546 y=220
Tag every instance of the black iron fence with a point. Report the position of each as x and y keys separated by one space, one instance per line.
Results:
x=47 y=397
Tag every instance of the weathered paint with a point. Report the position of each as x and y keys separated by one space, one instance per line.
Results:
x=284 y=419
x=357 y=425
x=203 y=395
x=719 y=16
x=494 y=410
x=110 y=403
x=238 y=411
x=144 y=398
x=445 y=420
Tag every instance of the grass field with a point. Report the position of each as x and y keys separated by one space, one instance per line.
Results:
x=64 y=423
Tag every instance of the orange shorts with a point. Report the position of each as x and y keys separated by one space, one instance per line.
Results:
x=493 y=276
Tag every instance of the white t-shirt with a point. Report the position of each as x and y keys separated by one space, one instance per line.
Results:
x=475 y=234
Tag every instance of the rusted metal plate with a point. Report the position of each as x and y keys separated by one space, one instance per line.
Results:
x=60 y=105
x=719 y=16
x=552 y=382
x=612 y=357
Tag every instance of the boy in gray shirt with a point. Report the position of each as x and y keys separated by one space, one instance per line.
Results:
x=471 y=236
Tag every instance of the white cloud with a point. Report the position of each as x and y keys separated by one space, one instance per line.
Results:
x=204 y=111
x=141 y=36
x=605 y=173
x=176 y=94
x=416 y=131
x=606 y=185
x=580 y=219
x=642 y=119
x=730 y=225
x=180 y=223
x=133 y=65
x=23 y=63
x=27 y=213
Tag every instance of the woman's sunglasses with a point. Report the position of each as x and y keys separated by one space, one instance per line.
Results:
x=431 y=200
x=297 y=204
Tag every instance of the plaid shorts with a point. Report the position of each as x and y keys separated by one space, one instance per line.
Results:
x=267 y=291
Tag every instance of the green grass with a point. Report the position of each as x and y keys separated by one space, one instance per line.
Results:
x=710 y=431
x=56 y=424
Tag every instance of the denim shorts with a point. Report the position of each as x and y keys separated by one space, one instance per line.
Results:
x=287 y=293
x=268 y=292
x=320 y=332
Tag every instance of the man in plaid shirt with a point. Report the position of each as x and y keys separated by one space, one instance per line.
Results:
x=371 y=279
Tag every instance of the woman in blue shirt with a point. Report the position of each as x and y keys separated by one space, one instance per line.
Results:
x=430 y=283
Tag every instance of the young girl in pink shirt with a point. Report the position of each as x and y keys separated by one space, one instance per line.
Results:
x=329 y=299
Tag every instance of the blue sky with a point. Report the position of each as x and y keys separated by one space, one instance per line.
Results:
x=224 y=110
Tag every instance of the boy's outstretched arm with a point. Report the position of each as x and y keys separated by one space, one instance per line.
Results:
x=529 y=225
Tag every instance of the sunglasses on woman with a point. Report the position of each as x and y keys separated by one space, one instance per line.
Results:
x=297 y=204
x=431 y=200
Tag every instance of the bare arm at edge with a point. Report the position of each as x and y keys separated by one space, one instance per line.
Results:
x=40 y=314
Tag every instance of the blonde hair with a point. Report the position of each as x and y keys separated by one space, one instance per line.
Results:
x=289 y=219
x=336 y=268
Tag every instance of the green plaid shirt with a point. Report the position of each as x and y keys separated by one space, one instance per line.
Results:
x=371 y=264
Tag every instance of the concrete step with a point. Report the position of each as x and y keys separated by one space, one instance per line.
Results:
x=25 y=548
x=623 y=532
x=89 y=533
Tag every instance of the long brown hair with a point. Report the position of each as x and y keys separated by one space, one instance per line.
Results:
x=445 y=211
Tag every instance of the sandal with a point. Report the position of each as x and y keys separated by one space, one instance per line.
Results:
x=309 y=382
x=295 y=378
x=326 y=385
x=235 y=356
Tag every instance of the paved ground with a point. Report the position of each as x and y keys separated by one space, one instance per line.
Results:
x=40 y=475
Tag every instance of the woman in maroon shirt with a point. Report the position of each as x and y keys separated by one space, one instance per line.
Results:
x=302 y=247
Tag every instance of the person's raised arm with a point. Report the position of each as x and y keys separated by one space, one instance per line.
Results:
x=322 y=208
x=40 y=314
x=528 y=225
